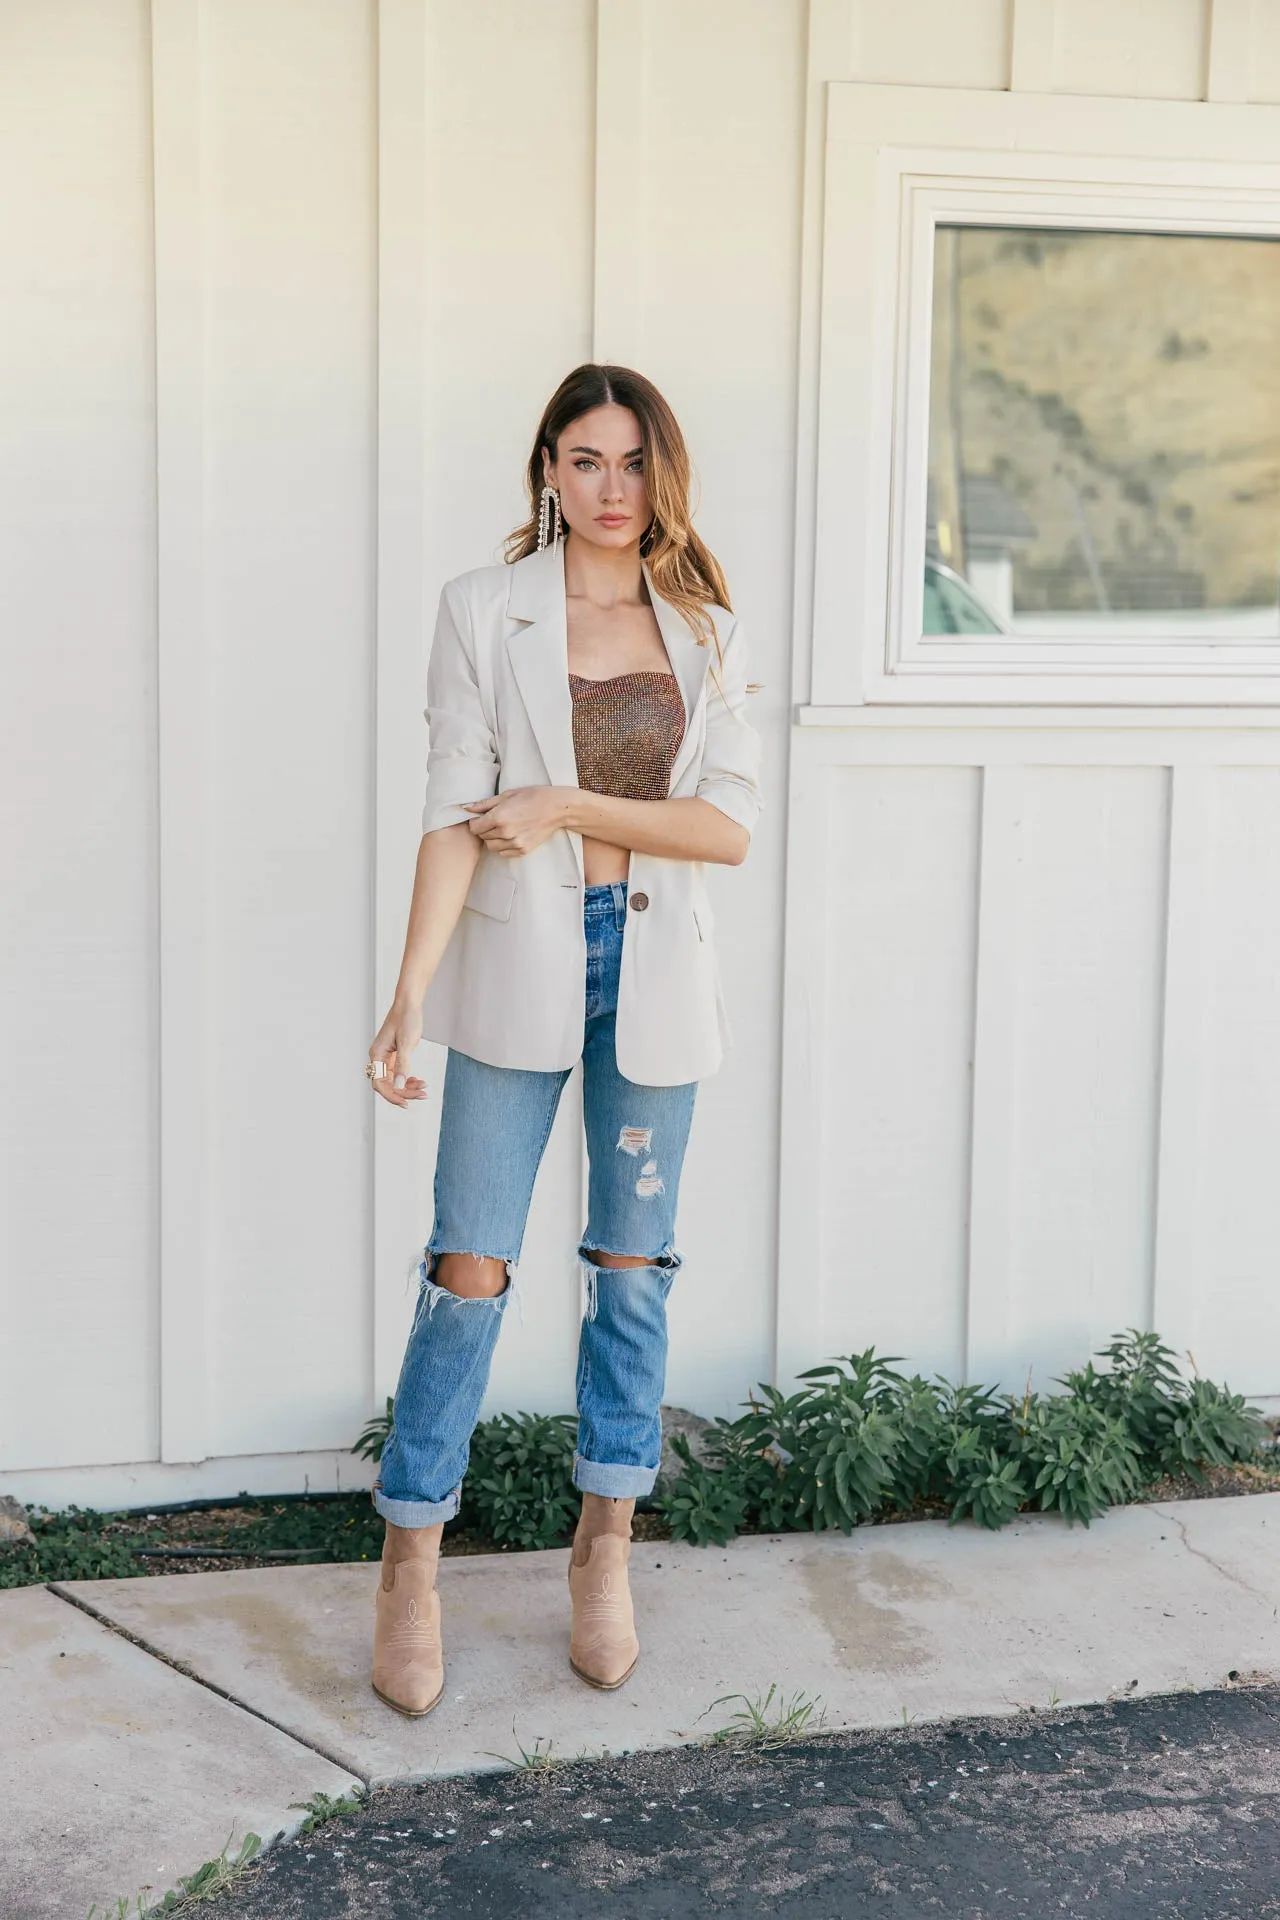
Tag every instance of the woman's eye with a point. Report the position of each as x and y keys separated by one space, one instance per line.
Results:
x=583 y=463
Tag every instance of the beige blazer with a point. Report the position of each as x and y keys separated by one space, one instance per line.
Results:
x=511 y=986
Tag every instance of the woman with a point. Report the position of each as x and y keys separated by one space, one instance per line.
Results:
x=588 y=755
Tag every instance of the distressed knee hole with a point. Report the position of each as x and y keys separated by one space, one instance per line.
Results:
x=435 y=1290
x=635 y=1140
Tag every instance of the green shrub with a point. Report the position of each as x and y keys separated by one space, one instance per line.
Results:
x=519 y=1486
x=858 y=1439
x=709 y=1503
x=70 y=1546
x=988 y=1484
x=1080 y=1460
x=1178 y=1427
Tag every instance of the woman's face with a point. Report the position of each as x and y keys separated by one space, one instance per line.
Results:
x=599 y=474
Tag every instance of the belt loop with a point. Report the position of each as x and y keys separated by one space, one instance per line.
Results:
x=619 y=904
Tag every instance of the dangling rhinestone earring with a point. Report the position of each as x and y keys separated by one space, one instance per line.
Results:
x=549 y=503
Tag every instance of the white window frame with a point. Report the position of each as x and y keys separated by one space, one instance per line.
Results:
x=900 y=161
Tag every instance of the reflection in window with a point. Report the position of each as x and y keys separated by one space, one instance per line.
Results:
x=1104 y=433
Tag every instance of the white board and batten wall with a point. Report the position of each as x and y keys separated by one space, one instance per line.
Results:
x=284 y=287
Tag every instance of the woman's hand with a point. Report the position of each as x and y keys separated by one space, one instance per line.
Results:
x=520 y=819
x=396 y=1039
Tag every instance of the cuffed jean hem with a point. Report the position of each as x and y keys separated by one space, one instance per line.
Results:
x=416 y=1513
x=615 y=1483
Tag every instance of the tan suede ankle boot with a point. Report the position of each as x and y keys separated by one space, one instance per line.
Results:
x=408 y=1656
x=603 y=1648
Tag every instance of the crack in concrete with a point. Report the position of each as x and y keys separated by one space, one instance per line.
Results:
x=1200 y=1554
x=211 y=1686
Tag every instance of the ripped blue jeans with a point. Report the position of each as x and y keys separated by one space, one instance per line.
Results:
x=494 y=1126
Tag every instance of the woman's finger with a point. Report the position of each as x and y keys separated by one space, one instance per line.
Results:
x=380 y=1082
x=391 y=1083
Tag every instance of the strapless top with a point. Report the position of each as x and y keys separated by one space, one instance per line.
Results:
x=626 y=733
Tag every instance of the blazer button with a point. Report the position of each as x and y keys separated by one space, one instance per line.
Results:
x=638 y=900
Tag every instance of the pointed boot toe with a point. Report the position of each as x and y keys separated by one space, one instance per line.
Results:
x=408 y=1657
x=603 y=1648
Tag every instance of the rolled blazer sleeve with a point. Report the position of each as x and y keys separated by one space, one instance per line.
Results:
x=462 y=756
x=730 y=775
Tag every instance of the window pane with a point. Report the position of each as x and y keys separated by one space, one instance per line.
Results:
x=1104 y=432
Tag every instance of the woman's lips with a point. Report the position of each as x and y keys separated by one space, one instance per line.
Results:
x=613 y=519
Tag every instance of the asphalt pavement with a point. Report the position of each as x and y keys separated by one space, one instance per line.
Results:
x=1137 y=1810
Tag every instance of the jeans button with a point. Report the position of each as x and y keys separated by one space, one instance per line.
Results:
x=639 y=901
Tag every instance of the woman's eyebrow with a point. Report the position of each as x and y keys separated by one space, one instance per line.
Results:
x=597 y=455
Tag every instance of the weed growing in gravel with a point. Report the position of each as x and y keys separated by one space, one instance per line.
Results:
x=536 y=1759
x=192 y=1891
x=760 y=1724
x=326 y=1806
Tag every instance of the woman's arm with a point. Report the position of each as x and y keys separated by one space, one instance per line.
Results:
x=676 y=829
x=446 y=863
x=517 y=821
x=447 y=859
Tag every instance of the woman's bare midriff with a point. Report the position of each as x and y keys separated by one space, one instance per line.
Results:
x=603 y=863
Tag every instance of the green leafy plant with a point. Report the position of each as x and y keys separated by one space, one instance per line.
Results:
x=519 y=1486
x=375 y=1434
x=858 y=1439
x=988 y=1485
x=71 y=1545
x=1082 y=1459
x=328 y=1806
x=1179 y=1427
x=707 y=1504
x=1210 y=1427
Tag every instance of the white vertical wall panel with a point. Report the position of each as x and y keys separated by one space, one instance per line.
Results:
x=1264 y=50
x=1234 y=1327
x=510 y=168
x=948 y=43
x=1144 y=49
x=1086 y=1024
x=898 y=1044
x=290 y=210
x=78 y=1275
x=723 y=147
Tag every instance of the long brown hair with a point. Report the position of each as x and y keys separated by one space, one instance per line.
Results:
x=684 y=570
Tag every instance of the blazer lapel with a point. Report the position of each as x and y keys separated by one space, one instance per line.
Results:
x=539 y=656
x=689 y=662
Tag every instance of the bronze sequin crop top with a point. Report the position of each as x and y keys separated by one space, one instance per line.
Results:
x=626 y=733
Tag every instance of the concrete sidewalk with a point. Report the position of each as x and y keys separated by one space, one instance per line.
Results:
x=146 y=1721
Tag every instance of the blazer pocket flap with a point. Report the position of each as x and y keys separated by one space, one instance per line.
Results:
x=491 y=891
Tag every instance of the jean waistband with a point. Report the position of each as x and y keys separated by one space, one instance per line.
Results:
x=610 y=898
